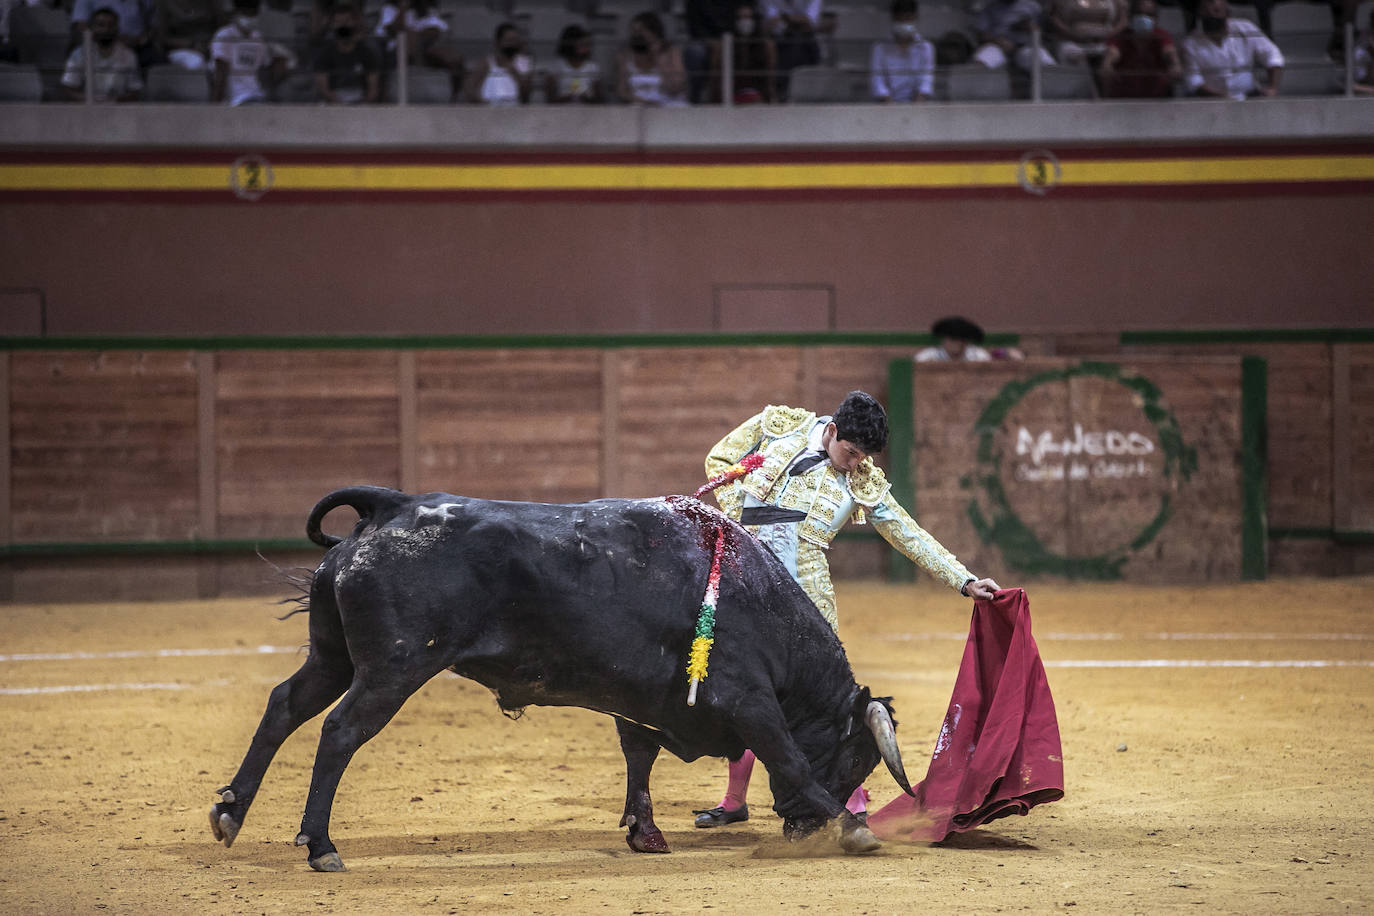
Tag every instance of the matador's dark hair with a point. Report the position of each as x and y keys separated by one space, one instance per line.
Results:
x=860 y=419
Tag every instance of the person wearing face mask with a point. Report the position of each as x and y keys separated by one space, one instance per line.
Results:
x=240 y=52
x=1141 y=62
x=506 y=77
x=116 y=75
x=650 y=70
x=574 y=76
x=755 y=61
x=1220 y=56
x=902 y=69
x=817 y=476
x=348 y=68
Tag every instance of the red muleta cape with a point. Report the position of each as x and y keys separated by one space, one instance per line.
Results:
x=998 y=752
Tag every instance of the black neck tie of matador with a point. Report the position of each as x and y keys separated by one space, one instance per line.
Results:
x=804 y=464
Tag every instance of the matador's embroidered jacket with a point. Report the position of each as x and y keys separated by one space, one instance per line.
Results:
x=828 y=497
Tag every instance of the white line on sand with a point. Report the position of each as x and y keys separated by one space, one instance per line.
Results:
x=1142 y=637
x=147 y=653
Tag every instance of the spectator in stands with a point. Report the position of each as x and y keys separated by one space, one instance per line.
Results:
x=955 y=339
x=137 y=26
x=185 y=29
x=793 y=25
x=506 y=77
x=348 y=68
x=1263 y=12
x=1141 y=62
x=1080 y=28
x=903 y=69
x=116 y=74
x=650 y=70
x=1220 y=56
x=1364 y=59
x=707 y=21
x=755 y=61
x=1004 y=34
x=9 y=51
x=574 y=76
x=426 y=33
x=240 y=53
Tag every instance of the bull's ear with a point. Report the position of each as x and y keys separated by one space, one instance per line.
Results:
x=859 y=709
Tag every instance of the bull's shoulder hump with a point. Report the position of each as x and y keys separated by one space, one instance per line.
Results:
x=779 y=420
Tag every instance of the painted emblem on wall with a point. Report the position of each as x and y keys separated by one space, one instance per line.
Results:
x=1091 y=453
x=250 y=177
x=1039 y=171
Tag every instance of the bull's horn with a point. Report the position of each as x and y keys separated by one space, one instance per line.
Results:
x=880 y=723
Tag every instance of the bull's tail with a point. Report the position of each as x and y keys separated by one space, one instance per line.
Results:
x=368 y=502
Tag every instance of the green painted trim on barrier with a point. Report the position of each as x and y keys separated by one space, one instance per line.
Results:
x=1254 y=408
x=143 y=548
x=1297 y=335
x=491 y=341
x=901 y=404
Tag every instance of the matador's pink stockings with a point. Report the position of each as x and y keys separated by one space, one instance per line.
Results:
x=738 y=787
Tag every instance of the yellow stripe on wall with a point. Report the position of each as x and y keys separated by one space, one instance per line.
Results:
x=687 y=177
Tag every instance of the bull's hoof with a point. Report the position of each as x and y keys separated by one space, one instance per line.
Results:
x=223 y=826
x=330 y=861
x=858 y=840
x=650 y=840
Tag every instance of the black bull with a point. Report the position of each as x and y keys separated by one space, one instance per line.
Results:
x=591 y=605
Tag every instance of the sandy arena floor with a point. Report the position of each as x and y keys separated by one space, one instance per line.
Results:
x=1232 y=774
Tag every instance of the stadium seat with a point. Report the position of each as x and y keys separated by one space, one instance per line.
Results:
x=1311 y=78
x=1067 y=81
x=821 y=84
x=976 y=83
x=42 y=34
x=20 y=84
x=297 y=89
x=1302 y=30
x=424 y=86
x=1172 y=20
x=545 y=23
x=856 y=28
x=170 y=83
x=935 y=20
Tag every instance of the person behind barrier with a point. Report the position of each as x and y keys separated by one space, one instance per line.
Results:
x=348 y=68
x=817 y=476
x=903 y=69
x=240 y=54
x=1004 y=30
x=755 y=61
x=574 y=76
x=115 y=69
x=1220 y=57
x=1142 y=61
x=649 y=70
x=955 y=339
x=1080 y=28
x=506 y=77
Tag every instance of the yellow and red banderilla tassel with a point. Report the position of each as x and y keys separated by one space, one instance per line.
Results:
x=706 y=624
x=733 y=472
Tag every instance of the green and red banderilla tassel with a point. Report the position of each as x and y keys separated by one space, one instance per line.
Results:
x=706 y=624
x=705 y=634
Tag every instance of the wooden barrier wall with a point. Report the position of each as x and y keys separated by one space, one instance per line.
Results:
x=193 y=456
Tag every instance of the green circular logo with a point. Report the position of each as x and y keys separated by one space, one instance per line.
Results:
x=1117 y=475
